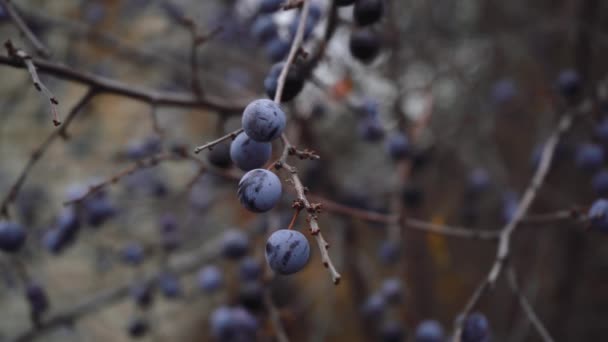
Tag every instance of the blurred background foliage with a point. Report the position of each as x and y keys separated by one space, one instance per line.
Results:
x=489 y=69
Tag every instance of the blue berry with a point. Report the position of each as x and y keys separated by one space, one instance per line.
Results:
x=137 y=327
x=169 y=234
x=601 y=130
x=392 y=290
x=287 y=251
x=98 y=210
x=370 y=129
x=479 y=181
x=503 y=91
x=219 y=156
x=589 y=157
x=12 y=236
x=569 y=83
x=311 y=22
x=270 y=6
x=64 y=231
x=259 y=190
x=374 y=306
x=389 y=252
x=263 y=120
x=235 y=244
x=294 y=81
x=277 y=49
x=250 y=269
x=209 y=279
x=600 y=183
x=429 y=331
x=367 y=12
x=249 y=154
x=364 y=45
x=476 y=328
x=169 y=285
x=397 y=146
x=392 y=331
x=133 y=254
x=598 y=215
x=264 y=28
x=142 y=294
x=233 y=324
x=251 y=296
x=37 y=300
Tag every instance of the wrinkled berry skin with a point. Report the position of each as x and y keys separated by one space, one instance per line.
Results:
x=364 y=45
x=429 y=331
x=368 y=12
x=259 y=190
x=287 y=251
x=294 y=82
x=598 y=215
x=12 y=236
x=476 y=328
x=248 y=154
x=263 y=120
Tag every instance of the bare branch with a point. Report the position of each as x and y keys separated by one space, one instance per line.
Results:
x=210 y=144
x=27 y=60
x=522 y=208
x=526 y=306
x=110 y=86
x=41 y=149
x=40 y=48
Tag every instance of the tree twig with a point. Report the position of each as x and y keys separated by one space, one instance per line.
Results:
x=111 y=86
x=41 y=149
x=504 y=242
x=210 y=144
x=526 y=306
x=40 y=48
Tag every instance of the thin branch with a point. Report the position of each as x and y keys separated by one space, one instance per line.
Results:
x=41 y=149
x=111 y=86
x=136 y=167
x=40 y=48
x=522 y=208
x=526 y=306
x=27 y=60
x=210 y=144
x=275 y=318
